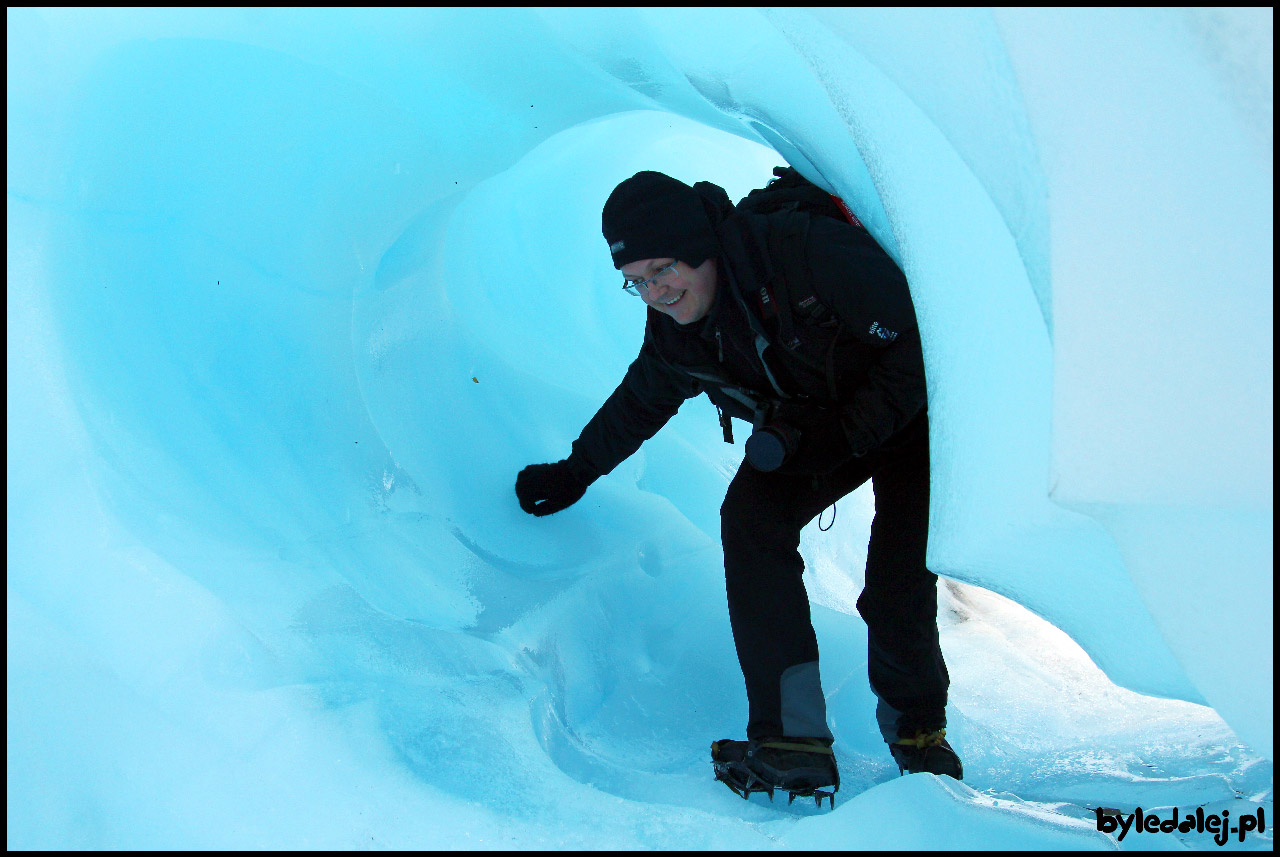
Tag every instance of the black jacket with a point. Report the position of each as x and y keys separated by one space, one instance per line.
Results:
x=861 y=360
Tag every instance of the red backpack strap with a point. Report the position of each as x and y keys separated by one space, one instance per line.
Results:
x=848 y=212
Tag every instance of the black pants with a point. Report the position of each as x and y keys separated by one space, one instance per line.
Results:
x=761 y=520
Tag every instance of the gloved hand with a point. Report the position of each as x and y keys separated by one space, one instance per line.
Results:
x=823 y=447
x=544 y=489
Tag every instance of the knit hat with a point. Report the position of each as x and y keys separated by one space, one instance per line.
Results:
x=653 y=216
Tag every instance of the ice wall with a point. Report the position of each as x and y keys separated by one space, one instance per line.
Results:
x=256 y=259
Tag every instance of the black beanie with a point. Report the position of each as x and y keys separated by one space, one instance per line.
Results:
x=653 y=216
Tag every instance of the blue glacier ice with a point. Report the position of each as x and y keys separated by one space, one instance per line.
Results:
x=294 y=294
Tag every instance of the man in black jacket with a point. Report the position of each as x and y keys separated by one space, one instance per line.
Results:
x=803 y=326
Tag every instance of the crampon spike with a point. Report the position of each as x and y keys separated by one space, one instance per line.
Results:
x=745 y=783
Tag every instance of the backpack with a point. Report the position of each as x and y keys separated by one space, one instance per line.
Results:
x=790 y=191
x=797 y=199
x=785 y=298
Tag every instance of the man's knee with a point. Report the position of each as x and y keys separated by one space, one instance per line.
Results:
x=900 y=614
x=743 y=509
x=761 y=541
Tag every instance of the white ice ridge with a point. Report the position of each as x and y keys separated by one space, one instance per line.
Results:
x=293 y=295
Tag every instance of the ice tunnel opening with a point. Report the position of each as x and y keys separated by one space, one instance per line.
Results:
x=191 y=422
x=564 y=296
x=250 y=347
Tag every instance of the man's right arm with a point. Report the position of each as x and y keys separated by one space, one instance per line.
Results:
x=650 y=394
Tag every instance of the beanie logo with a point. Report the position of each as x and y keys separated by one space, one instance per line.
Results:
x=617 y=246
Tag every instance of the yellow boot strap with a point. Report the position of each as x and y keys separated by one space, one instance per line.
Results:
x=803 y=748
x=923 y=739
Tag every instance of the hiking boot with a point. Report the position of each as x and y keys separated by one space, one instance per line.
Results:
x=728 y=758
x=927 y=752
x=728 y=752
x=799 y=765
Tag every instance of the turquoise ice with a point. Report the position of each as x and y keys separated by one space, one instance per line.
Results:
x=293 y=295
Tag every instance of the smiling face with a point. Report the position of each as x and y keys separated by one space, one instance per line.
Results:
x=686 y=294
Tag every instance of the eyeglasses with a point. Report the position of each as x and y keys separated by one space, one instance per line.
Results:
x=641 y=287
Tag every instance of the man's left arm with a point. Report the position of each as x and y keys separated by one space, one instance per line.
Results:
x=868 y=292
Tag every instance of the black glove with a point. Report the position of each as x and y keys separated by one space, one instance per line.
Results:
x=822 y=448
x=557 y=486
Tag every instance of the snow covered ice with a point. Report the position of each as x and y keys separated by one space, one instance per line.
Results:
x=293 y=295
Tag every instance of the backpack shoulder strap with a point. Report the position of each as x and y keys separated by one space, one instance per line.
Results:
x=787 y=234
x=788 y=247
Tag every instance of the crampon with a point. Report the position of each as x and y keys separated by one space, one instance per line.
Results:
x=728 y=758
